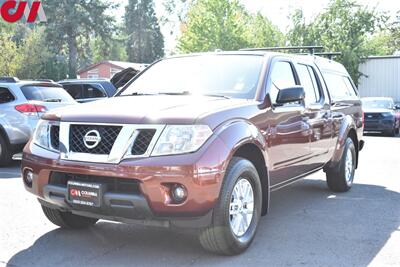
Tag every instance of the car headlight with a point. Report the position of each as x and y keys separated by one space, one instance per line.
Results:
x=387 y=114
x=41 y=135
x=179 y=139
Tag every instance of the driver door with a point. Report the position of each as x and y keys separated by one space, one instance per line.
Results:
x=288 y=135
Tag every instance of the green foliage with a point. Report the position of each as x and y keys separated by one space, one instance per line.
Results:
x=34 y=55
x=145 y=43
x=214 y=24
x=226 y=25
x=113 y=49
x=381 y=44
x=70 y=26
x=262 y=33
x=10 y=57
x=343 y=27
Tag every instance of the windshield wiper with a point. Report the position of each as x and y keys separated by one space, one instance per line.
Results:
x=52 y=100
x=175 y=93
x=136 y=93
x=222 y=96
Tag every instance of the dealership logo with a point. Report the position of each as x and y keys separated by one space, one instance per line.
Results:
x=75 y=192
x=92 y=139
x=13 y=11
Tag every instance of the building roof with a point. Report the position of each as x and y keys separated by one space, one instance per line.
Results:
x=383 y=57
x=116 y=64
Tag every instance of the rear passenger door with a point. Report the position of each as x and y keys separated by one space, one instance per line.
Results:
x=318 y=113
x=289 y=131
x=75 y=90
x=344 y=98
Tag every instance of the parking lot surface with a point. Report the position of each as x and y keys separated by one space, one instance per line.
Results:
x=307 y=226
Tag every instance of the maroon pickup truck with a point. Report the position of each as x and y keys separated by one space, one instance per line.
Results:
x=198 y=141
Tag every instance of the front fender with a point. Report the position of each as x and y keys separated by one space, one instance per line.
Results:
x=237 y=133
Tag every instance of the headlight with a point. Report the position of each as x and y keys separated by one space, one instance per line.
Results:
x=41 y=135
x=179 y=139
x=387 y=114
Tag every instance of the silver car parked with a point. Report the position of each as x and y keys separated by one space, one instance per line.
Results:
x=22 y=103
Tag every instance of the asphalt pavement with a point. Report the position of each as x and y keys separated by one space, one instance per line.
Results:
x=307 y=226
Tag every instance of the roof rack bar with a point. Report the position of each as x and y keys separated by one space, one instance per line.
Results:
x=310 y=48
x=330 y=55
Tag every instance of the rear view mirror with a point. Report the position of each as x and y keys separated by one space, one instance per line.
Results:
x=290 y=94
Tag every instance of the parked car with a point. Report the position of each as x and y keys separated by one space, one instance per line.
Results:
x=380 y=115
x=87 y=90
x=198 y=141
x=21 y=105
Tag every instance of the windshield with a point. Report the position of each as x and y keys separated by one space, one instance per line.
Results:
x=233 y=76
x=46 y=93
x=378 y=103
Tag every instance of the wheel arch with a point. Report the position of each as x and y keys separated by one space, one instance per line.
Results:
x=244 y=140
x=347 y=129
x=4 y=134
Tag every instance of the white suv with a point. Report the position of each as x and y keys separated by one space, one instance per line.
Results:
x=22 y=103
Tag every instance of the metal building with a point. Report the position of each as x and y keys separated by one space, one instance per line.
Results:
x=382 y=77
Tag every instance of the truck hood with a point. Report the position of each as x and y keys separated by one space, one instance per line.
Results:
x=158 y=109
x=377 y=110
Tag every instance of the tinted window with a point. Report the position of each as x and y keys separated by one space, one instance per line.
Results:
x=75 y=90
x=5 y=96
x=337 y=86
x=93 y=91
x=316 y=83
x=234 y=76
x=281 y=77
x=308 y=84
x=46 y=93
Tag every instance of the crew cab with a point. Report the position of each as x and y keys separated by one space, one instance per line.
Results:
x=198 y=141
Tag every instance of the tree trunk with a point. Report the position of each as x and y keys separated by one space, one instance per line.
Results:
x=72 y=56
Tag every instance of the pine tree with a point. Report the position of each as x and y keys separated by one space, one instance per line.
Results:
x=70 y=26
x=145 y=42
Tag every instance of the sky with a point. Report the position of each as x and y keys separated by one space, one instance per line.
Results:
x=278 y=11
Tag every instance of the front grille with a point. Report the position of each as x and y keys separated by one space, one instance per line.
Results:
x=108 y=136
x=113 y=185
x=142 y=141
x=55 y=137
x=372 y=116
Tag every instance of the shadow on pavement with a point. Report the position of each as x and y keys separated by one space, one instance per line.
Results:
x=11 y=171
x=372 y=134
x=307 y=225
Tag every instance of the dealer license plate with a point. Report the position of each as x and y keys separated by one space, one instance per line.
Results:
x=86 y=194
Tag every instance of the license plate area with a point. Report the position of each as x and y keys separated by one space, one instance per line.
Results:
x=85 y=194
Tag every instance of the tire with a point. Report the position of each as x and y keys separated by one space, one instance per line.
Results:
x=5 y=152
x=219 y=237
x=67 y=219
x=336 y=178
x=391 y=133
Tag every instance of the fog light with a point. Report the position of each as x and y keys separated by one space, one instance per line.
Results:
x=28 y=178
x=178 y=193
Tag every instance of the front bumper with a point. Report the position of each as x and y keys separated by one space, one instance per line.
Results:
x=201 y=173
x=378 y=125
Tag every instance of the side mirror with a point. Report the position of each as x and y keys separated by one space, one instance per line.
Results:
x=290 y=94
x=397 y=107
